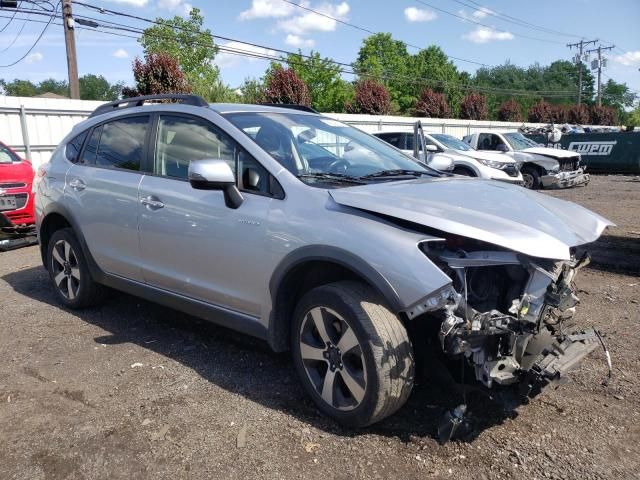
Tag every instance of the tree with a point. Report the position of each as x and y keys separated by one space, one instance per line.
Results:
x=603 y=115
x=159 y=73
x=618 y=96
x=51 y=85
x=370 y=98
x=540 y=112
x=284 y=86
x=510 y=111
x=96 y=87
x=558 y=113
x=633 y=118
x=474 y=107
x=329 y=92
x=386 y=61
x=433 y=64
x=192 y=47
x=252 y=91
x=20 y=88
x=432 y=104
x=579 y=114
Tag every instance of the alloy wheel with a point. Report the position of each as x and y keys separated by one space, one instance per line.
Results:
x=65 y=268
x=333 y=358
x=527 y=179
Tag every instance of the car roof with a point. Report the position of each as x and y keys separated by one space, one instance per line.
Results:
x=251 y=108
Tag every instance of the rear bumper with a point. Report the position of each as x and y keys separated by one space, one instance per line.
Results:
x=565 y=179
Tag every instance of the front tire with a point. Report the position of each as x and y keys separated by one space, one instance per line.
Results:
x=531 y=178
x=352 y=354
x=69 y=272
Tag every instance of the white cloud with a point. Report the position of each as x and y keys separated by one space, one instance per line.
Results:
x=308 y=22
x=482 y=12
x=414 y=14
x=34 y=57
x=485 y=35
x=628 y=58
x=267 y=9
x=299 y=42
x=133 y=3
x=227 y=60
x=120 y=53
x=175 y=6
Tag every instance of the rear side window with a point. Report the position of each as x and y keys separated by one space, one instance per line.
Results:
x=394 y=139
x=118 y=144
x=72 y=151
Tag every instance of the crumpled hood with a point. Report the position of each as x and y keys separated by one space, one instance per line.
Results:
x=477 y=154
x=495 y=212
x=550 y=152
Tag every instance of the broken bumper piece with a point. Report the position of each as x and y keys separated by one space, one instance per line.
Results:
x=566 y=179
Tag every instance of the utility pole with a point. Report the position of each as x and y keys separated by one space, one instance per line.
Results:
x=601 y=62
x=70 y=42
x=578 y=59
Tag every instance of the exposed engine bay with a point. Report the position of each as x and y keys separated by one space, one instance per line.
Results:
x=506 y=314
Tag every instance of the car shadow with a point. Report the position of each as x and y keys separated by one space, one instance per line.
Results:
x=615 y=254
x=248 y=367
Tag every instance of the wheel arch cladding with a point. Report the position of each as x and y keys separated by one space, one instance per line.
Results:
x=312 y=266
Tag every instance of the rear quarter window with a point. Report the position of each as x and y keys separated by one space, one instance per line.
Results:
x=72 y=150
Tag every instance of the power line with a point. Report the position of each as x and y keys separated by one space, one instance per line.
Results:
x=364 y=29
x=484 y=24
x=510 y=19
x=341 y=66
x=51 y=18
x=7 y=24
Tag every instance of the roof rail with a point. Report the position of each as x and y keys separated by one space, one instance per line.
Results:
x=292 y=106
x=185 y=99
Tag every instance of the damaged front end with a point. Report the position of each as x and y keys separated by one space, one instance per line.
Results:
x=507 y=314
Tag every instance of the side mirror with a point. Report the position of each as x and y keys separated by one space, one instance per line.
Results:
x=502 y=148
x=431 y=148
x=215 y=174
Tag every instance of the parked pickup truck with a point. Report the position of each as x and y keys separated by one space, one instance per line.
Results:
x=541 y=167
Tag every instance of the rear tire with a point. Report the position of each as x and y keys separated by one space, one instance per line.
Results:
x=342 y=334
x=531 y=178
x=69 y=272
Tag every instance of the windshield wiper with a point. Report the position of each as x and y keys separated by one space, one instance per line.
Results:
x=335 y=177
x=398 y=173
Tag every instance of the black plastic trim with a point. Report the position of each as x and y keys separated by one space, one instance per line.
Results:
x=184 y=99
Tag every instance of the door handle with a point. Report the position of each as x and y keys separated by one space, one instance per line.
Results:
x=151 y=202
x=77 y=184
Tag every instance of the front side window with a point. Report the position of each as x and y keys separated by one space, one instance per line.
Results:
x=183 y=139
x=121 y=143
x=7 y=156
x=314 y=147
x=489 y=141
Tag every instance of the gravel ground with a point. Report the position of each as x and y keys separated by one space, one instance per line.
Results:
x=134 y=390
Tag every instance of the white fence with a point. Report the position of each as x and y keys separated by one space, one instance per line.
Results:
x=34 y=126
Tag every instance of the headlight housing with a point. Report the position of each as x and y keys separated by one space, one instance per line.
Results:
x=493 y=163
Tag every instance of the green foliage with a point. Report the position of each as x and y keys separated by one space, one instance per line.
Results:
x=633 y=117
x=618 y=96
x=20 y=88
x=252 y=91
x=192 y=47
x=96 y=87
x=329 y=92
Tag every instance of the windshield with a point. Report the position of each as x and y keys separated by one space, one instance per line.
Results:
x=7 y=156
x=451 y=142
x=519 y=141
x=317 y=148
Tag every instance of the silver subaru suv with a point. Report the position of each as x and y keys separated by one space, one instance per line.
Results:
x=320 y=239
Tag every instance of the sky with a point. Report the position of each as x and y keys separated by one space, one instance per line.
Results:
x=478 y=32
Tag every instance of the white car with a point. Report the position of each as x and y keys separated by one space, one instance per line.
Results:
x=541 y=167
x=466 y=160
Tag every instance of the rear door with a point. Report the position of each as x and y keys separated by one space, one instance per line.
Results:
x=191 y=242
x=102 y=191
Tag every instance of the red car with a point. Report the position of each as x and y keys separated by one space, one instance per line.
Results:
x=16 y=181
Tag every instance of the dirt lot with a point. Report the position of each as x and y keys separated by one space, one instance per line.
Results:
x=134 y=390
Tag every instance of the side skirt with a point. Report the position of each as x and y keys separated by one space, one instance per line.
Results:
x=225 y=317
